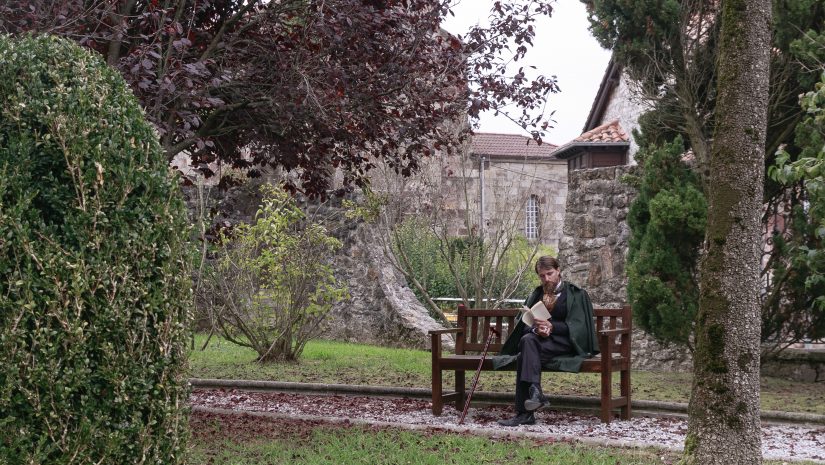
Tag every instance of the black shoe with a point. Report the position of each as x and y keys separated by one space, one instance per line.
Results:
x=526 y=418
x=536 y=400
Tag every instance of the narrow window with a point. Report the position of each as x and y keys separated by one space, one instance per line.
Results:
x=531 y=229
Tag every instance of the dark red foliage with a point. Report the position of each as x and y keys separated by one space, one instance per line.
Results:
x=309 y=86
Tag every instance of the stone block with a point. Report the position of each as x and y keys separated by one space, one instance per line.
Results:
x=596 y=243
x=586 y=229
x=618 y=263
x=606 y=262
x=624 y=233
x=568 y=226
x=607 y=173
x=598 y=187
x=594 y=201
x=604 y=228
x=594 y=275
x=602 y=211
x=575 y=205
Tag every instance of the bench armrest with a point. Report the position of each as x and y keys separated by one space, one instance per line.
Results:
x=613 y=332
x=435 y=344
x=445 y=331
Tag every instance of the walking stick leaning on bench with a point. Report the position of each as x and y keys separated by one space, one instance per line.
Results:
x=493 y=331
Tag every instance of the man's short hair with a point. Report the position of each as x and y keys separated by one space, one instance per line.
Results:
x=547 y=262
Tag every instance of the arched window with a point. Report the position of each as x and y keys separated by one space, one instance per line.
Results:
x=531 y=227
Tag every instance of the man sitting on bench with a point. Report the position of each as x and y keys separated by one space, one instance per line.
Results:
x=560 y=343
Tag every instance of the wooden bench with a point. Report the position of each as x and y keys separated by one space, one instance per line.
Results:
x=613 y=328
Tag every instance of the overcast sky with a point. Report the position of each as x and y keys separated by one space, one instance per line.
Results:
x=564 y=48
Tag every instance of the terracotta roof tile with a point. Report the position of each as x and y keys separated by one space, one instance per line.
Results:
x=609 y=132
x=509 y=145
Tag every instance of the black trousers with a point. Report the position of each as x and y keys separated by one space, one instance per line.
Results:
x=535 y=351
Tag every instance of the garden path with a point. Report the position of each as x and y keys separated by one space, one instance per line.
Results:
x=779 y=441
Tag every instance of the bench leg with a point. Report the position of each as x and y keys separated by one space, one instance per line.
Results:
x=460 y=390
x=606 y=345
x=607 y=396
x=438 y=401
x=625 y=390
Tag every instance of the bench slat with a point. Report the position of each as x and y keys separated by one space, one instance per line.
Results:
x=591 y=365
x=489 y=311
x=607 y=312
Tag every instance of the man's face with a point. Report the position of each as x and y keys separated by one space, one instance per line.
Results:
x=549 y=278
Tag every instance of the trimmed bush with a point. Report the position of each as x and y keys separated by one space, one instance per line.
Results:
x=95 y=288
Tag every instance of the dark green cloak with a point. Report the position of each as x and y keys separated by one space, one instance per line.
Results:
x=579 y=322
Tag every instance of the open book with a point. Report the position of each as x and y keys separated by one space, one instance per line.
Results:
x=537 y=311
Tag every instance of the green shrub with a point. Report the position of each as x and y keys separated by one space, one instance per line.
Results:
x=667 y=220
x=273 y=283
x=423 y=249
x=94 y=294
x=797 y=310
x=443 y=264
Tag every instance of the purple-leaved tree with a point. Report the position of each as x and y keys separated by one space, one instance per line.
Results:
x=309 y=86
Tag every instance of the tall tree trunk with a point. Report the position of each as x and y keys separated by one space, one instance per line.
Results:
x=724 y=426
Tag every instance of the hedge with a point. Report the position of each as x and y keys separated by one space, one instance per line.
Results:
x=95 y=291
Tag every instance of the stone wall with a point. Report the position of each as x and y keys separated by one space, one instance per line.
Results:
x=593 y=253
x=797 y=364
x=593 y=247
x=382 y=310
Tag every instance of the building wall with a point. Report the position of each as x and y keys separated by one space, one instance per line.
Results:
x=626 y=106
x=508 y=184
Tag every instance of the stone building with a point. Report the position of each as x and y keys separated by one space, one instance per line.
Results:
x=595 y=233
x=593 y=249
x=521 y=186
x=607 y=136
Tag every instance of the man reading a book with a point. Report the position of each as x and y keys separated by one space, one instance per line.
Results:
x=555 y=333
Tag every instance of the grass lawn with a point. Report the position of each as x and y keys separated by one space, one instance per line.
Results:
x=300 y=442
x=343 y=363
x=244 y=440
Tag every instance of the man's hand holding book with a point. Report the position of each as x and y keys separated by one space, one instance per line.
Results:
x=539 y=318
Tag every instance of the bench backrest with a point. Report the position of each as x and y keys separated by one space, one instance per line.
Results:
x=477 y=321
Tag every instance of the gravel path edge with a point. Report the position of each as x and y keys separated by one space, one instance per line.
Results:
x=648 y=406
x=487 y=432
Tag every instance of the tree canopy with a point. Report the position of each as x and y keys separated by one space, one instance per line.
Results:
x=308 y=86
